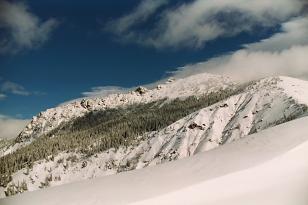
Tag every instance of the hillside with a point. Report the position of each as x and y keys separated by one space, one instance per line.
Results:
x=231 y=174
x=52 y=118
x=111 y=141
x=194 y=85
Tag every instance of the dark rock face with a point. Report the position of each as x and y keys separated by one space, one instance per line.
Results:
x=141 y=90
x=195 y=125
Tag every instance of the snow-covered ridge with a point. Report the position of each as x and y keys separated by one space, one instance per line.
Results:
x=265 y=103
x=232 y=174
x=193 y=85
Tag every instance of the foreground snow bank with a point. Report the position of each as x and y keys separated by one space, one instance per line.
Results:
x=282 y=181
x=269 y=167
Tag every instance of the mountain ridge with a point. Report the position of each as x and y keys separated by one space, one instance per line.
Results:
x=193 y=85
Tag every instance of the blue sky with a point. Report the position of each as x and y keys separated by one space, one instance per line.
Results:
x=74 y=47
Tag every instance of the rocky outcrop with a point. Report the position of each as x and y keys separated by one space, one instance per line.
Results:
x=141 y=90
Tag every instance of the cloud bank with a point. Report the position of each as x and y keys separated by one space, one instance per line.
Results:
x=11 y=127
x=284 y=53
x=195 y=23
x=247 y=65
x=22 y=29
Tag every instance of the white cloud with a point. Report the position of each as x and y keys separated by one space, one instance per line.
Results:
x=195 y=23
x=284 y=53
x=9 y=87
x=11 y=127
x=103 y=91
x=23 y=30
x=2 y=96
x=14 y=88
x=294 y=32
x=143 y=11
x=249 y=65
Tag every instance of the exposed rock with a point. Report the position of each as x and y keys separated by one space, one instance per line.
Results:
x=87 y=104
x=195 y=125
x=83 y=103
x=170 y=80
x=224 y=105
x=84 y=164
x=141 y=90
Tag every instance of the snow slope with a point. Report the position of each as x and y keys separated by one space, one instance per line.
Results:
x=264 y=104
x=269 y=167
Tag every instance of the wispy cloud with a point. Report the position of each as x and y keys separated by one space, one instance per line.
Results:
x=143 y=11
x=2 y=96
x=9 y=87
x=14 y=88
x=195 y=23
x=22 y=29
x=294 y=32
x=103 y=91
x=10 y=127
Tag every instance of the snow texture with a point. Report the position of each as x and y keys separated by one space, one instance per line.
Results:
x=269 y=167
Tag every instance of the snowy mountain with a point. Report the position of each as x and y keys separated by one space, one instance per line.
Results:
x=269 y=167
x=50 y=119
x=240 y=111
